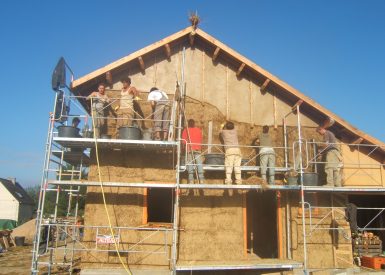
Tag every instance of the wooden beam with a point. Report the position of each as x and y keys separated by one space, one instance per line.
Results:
x=357 y=141
x=82 y=80
x=298 y=103
x=167 y=50
x=191 y=38
x=141 y=63
x=216 y=53
x=264 y=85
x=289 y=89
x=240 y=69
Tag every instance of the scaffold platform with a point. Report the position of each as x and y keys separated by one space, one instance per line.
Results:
x=117 y=144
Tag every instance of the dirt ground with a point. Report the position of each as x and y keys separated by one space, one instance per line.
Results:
x=17 y=260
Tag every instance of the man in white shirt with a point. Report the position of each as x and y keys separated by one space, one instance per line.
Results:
x=160 y=104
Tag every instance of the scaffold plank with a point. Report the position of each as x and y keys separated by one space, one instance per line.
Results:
x=116 y=144
x=223 y=186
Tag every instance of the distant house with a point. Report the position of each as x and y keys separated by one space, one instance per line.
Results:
x=16 y=204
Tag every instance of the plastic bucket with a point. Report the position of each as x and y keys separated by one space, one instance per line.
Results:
x=310 y=179
x=129 y=132
x=215 y=159
x=292 y=180
x=68 y=131
x=19 y=241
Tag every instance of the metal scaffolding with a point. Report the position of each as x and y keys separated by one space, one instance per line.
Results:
x=67 y=158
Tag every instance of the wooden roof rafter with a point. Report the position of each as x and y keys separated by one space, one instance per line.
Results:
x=192 y=34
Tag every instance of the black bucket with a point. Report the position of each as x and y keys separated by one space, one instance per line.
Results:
x=68 y=131
x=129 y=132
x=105 y=136
x=292 y=180
x=19 y=241
x=310 y=179
x=215 y=159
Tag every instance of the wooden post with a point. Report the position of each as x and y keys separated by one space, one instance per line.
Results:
x=275 y=110
x=227 y=93
x=210 y=137
x=191 y=38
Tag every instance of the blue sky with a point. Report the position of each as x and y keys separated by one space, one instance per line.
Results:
x=333 y=51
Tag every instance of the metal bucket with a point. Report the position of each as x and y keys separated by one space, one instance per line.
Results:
x=68 y=131
x=130 y=132
x=310 y=179
x=215 y=159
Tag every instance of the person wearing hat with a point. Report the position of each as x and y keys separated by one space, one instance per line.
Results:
x=161 y=110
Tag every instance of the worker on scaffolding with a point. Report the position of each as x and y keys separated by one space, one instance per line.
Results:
x=233 y=155
x=161 y=111
x=266 y=155
x=333 y=158
x=125 y=109
x=192 y=139
x=99 y=102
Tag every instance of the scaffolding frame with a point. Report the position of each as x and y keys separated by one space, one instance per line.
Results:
x=55 y=154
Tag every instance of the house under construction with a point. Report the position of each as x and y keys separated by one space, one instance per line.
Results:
x=141 y=214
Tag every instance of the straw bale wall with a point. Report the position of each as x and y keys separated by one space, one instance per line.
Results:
x=326 y=247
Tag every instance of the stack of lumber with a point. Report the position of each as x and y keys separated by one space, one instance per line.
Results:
x=367 y=244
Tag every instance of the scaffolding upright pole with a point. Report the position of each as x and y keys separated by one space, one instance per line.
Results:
x=39 y=212
x=177 y=189
x=302 y=191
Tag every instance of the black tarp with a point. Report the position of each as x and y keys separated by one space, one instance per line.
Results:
x=59 y=75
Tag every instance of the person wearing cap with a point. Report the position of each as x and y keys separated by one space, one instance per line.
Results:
x=333 y=158
x=125 y=110
x=161 y=110
x=233 y=155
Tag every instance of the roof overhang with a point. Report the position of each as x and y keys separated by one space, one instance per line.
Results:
x=245 y=66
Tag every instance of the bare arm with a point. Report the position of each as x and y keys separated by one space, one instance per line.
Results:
x=134 y=91
x=91 y=95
